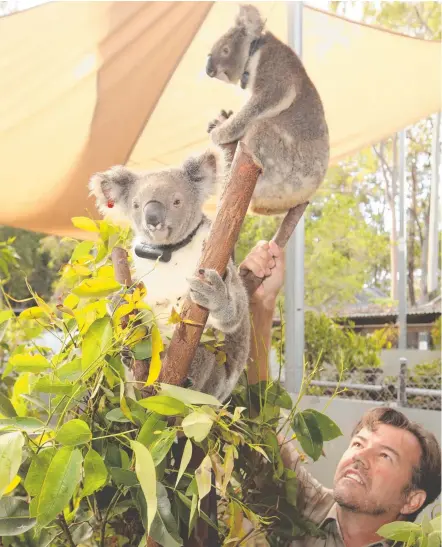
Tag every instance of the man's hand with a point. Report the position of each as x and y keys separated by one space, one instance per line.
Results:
x=266 y=260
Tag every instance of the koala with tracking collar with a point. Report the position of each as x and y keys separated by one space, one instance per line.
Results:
x=283 y=122
x=165 y=209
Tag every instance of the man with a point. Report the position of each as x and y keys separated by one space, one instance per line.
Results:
x=390 y=471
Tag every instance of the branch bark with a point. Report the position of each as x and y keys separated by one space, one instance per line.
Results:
x=224 y=232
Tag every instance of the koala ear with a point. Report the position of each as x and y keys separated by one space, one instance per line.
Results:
x=250 y=18
x=206 y=171
x=112 y=188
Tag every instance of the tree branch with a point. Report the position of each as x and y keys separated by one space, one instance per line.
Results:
x=64 y=526
x=235 y=200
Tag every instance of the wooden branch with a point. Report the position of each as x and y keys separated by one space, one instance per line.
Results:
x=288 y=225
x=223 y=234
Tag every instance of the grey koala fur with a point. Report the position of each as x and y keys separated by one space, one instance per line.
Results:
x=164 y=208
x=283 y=122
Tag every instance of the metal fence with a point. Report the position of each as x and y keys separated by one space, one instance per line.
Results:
x=409 y=388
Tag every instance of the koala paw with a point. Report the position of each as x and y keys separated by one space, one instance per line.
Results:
x=221 y=118
x=209 y=290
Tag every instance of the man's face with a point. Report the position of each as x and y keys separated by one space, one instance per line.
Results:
x=376 y=469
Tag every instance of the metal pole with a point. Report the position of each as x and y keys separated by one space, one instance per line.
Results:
x=402 y=246
x=402 y=383
x=294 y=281
x=433 y=240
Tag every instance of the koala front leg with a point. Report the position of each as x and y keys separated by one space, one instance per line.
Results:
x=257 y=107
x=225 y=300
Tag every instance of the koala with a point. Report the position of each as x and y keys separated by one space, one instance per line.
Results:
x=282 y=123
x=165 y=210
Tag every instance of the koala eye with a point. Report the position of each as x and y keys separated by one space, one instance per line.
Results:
x=136 y=205
x=225 y=51
x=176 y=202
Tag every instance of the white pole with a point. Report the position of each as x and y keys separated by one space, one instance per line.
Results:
x=402 y=246
x=294 y=281
x=433 y=241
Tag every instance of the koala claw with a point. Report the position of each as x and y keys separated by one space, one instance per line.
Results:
x=222 y=117
x=209 y=292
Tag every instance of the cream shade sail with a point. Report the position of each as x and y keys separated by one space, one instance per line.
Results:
x=87 y=85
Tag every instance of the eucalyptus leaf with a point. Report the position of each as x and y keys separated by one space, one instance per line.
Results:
x=11 y=445
x=14 y=517
x=59 y=483
x=197 y=425
x=188 y=396
x=308 y=434
x=399 y=530
x=73 y=433
x=6 y=407
x=95 y=473
x=329 y=429
x=162 y=404
x=145 y=470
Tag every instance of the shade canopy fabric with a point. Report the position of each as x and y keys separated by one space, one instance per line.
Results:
x=87 y=85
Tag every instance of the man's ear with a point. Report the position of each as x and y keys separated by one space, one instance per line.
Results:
x=112 y=188
x=250 y=18
x=206 y=171
x=415 y=500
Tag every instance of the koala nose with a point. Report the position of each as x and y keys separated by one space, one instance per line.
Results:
x=210 y=69
x=154 y=213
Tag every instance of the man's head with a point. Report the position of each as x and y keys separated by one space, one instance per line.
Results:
x=392 y=466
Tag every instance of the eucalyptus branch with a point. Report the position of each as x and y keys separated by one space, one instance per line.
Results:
x=64 y=526
x=111 y=505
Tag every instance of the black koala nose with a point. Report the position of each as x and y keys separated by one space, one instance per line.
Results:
x=154 y=213
x=210 y=69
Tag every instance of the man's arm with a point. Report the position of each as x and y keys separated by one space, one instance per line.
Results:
x=266 y=260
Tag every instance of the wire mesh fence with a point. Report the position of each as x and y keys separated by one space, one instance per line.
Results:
x=413 y=388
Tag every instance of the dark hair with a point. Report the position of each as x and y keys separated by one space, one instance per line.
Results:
x=427 y=476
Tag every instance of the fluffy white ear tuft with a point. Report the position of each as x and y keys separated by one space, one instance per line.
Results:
x=111 y=189
x=250 y=18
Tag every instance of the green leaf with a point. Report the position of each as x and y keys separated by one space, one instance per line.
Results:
x=434 y=539
x=164 y=528
x=145 y=470
x=203 y=476
x=45 y=385
x=291 y=486
x=398 y=530
x=24 y=424
x=6 y=407
x=11 y=445
x=73 y=433
x=29 y=363
x=329 y=429
x=185 y=459
x=70 y=371
x=149 y=431
x=143 y=350
x=123 y=477
x=436 y=523
x=116 y=415
x=95 y=473
x=14 y=517
x=160 y=448
x=161 y=404
x=308 y=434
x=37 y=470
x=81 y=250
x=188 y=396
x=5 y=315
x=193 y=512
x=85 y=223
x=197 y=425
x=95 y=343
x=59 y=483
x=97 y=287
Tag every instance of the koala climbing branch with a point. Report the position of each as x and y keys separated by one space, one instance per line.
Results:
x=223 y=234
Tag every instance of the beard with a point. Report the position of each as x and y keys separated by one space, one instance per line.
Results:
x=351 y=503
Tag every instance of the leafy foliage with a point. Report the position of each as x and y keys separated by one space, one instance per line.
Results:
x=87 y=458
x=424 y=534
